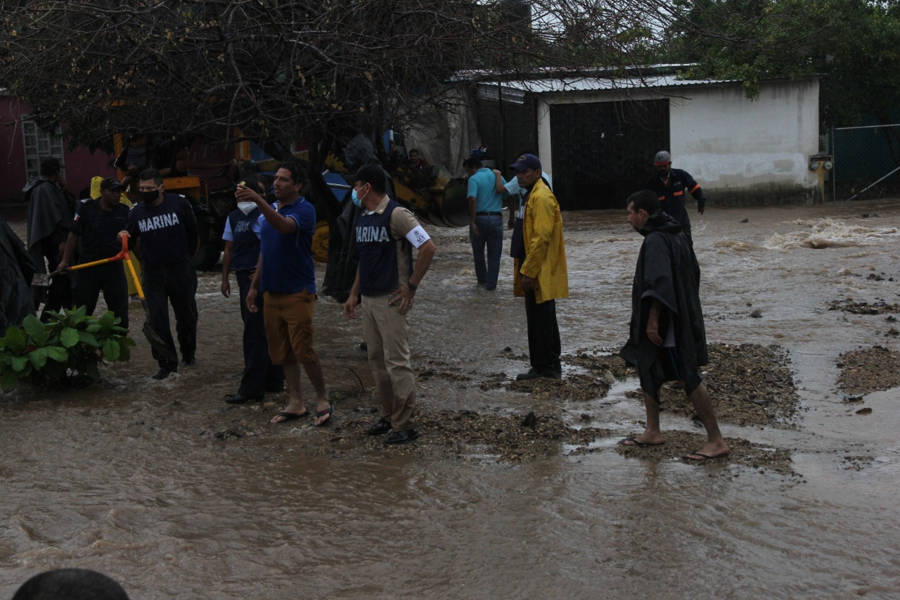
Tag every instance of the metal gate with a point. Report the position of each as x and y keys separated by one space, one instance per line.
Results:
x=866 y=161
x=602 y=151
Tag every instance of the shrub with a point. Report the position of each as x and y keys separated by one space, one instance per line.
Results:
x=65 y=350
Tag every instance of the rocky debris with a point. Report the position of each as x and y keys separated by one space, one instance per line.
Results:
x=879 y=307
x=869 y=370
x=235 y=431
x=579 y=388
x=879 y=277
x=469 y=435
x=857 y=463
x=460 y=434
x=602 y=365
x=741 y=452
x=756 y=314
x=748 y=384
x=442 y=370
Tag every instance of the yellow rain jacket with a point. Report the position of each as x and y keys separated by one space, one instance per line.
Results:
x=545 y=250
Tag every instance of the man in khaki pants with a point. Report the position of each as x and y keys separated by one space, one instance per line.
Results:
x=385 y=235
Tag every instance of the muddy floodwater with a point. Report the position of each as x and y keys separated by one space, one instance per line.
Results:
x=513 y=491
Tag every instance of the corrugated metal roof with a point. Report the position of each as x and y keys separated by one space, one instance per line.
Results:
x=593 y=84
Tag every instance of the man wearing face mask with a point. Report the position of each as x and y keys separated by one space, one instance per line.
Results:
x=670 y=186
x=385 y=235
x=241 y=236
x=165 y=231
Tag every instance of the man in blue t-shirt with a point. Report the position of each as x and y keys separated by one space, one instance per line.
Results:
x=485 y=221
x=286 y=276
x=165 y=229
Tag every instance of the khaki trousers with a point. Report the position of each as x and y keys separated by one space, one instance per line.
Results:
x=387 y=336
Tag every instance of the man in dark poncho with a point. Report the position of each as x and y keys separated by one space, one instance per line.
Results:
x=667 y=338
x=16 y=269
x=49 y=222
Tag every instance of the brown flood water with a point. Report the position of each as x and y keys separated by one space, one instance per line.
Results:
x=129 y=478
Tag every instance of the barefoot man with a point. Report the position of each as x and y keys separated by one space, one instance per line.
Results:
x=667 y=338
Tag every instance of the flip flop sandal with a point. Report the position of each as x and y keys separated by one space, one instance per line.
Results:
x=321 y=413
x=636 y=443
x=700 y=457
x=290 y=416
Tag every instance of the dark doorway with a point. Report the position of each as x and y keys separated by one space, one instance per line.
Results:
x=603 y=151
x=507 y=128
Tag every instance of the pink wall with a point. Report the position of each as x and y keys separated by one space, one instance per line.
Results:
x=80 y=164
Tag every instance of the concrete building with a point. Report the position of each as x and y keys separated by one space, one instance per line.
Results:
x=597 y=133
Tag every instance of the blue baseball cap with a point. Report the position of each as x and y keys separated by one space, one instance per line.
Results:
x=525 y=163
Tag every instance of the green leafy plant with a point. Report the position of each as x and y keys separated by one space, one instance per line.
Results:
x=65 y=350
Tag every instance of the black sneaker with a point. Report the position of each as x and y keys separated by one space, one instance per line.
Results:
x=189 y=361
x=381 y=427
x=402 y=436
x=241 y=399
x=528 y=375
x=163 y=373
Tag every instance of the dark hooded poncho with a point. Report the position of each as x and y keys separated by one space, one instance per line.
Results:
x=16 y=269
x=49 y=217
x=666 y=271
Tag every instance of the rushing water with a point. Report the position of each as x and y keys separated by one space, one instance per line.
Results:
x=126 y=478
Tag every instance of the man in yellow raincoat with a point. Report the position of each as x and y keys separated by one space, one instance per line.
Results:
x=540 y=268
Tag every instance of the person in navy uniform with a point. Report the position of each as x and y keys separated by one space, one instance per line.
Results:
x=165 y=231
x=670 y=186
x=241 y=236
x=95 y=235
x=385 y=235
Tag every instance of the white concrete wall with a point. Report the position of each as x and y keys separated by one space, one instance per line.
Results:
x=727 y=141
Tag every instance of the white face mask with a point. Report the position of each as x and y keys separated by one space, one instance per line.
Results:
x=246 y=207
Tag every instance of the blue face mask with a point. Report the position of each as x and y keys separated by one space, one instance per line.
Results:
x=355 y=198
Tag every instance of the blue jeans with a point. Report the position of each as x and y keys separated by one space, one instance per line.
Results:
x=490 y=235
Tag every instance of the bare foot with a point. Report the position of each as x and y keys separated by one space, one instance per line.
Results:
x=290 y=412
x=648 y=438
x=709 y=451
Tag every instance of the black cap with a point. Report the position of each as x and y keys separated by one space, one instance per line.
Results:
x=111 y=183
